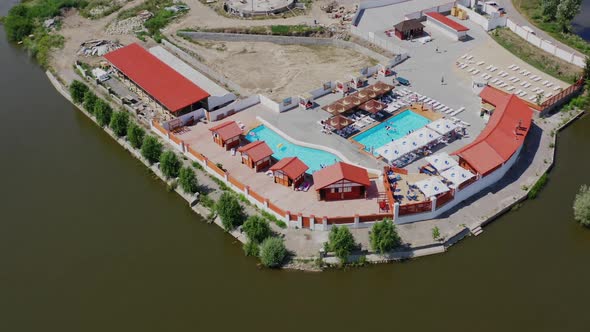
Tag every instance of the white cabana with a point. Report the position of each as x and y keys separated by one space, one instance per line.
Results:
x=422 y=137
x=441 y=161
x=442 y=126
x=457 y=175
x=431 y=186
x=396 y=149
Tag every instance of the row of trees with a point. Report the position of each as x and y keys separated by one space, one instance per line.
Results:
x=122 y=126
x=562 y=11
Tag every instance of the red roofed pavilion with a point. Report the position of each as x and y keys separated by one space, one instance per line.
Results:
x=256 y=155
x=227 y=134
x=289 y=171
x=503 y=136
x=451 y=28
x=341 y=181
x=160 y=82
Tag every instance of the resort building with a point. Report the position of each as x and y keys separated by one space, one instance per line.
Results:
x=256 y=155
x=289 y=172
x=409 y=29
x=227 y=134
x=149 y=77
x=341 y=181
x=449 y=27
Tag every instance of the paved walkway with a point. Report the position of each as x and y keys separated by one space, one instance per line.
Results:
x=515 y=16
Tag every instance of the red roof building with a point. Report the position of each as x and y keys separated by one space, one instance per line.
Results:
x=451 y=28
x=256 y=155
x=289 y=171
x=226 y=134
x=502 y=137
x=341 y=181
x=166 y=86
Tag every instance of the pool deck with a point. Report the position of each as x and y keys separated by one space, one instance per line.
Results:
x=199 y=138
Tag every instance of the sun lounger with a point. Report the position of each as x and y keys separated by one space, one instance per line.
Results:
x=458 y=111
x=476 y=72
x=489 y=67
x=548 y=95
x=455 y=120
x=465 y=123
x=531 y=98
x=463 y=66
x=470 y=57
x=464 y=56
x=516 y=68
x=549 y=84
x=511 y=66
x=480 y=63
x=523 y=94
x=510 y=88
x=449 y=111
x=537 y=79
x=233 y=152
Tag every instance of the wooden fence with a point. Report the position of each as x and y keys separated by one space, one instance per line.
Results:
x=444 y=198
x=415 y=208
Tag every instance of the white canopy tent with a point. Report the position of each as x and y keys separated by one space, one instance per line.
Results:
x=457 y=175
x=441 y=161
x=442 y=126
x=423 y=136
x=431 y=186
x=396 y=149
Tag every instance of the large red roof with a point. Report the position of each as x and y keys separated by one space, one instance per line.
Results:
x=163 y=83
x=340 y=171
x=256 y=150
x=503 y=135
x=292 y=166
x=227 y=130
x=447 y=21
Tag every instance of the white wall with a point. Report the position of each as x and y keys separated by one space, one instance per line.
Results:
x=236 y=107
x=545 y=45
x=321 y=92
x=278 y=107
x=461 y=195
x=487 y=23
x=200 y=113
x=215 y=101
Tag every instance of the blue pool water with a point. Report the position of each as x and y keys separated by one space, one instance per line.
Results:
x=282 y=148
x=399 y=125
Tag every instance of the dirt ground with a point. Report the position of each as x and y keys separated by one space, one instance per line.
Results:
x=279 y=71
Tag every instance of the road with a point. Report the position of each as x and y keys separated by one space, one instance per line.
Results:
x=518 y=18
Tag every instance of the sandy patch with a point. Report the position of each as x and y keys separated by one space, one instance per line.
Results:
x=280 y=71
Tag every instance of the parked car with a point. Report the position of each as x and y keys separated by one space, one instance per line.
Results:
x=403 y=81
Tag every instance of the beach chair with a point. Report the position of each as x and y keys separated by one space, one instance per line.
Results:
x=516 y=68
x=532 y=98
x=449 y=111
x=476 y=72
x=489 y=67
x=511 y=66
x=510 y=88
x=470 y=57
x=464 y=56
x=480 y=63
x=465 y=123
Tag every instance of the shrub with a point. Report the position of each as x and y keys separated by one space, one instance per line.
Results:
x=251 y=249
x=384 y=236
x=272 y=252
x=230 y=211
x=435 y=233
x=169 y=164
x=257 y=229
x=188 y=180
x=77 y=91
x=135 y=135
x=538 y=186
x=90 y=100
x=582 y=206
x=119 y=123
x=102 y=112
x=341 y=242
x=151 y=149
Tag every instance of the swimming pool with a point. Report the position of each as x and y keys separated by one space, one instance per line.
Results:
x=399 y=126
x=282 y=148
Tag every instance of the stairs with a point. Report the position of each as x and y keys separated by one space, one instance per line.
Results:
x=476 y=231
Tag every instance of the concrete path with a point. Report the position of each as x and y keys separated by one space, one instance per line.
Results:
x=515 y=16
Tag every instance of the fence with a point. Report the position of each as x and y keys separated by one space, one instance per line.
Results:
x=378 y=41
x=412 y=208
x=445 y=198
x=233 y=108
x=550 y=104
x=545 y=45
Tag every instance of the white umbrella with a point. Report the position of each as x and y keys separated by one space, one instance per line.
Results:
x=441 y=161
x=442 y=126
x=431 y=186
x=457 y=175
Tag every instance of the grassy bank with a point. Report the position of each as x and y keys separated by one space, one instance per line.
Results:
x=161 y=16
x=531 y=9
x=277 y=30
x=534 y=56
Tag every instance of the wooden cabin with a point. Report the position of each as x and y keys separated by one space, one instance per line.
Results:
x=227 y=134
x=341 y=181
x=256 y=155
x=409 y=29
x=289 y=172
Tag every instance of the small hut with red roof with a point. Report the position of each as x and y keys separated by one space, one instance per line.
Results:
x=227 y=134
x=289 y=172
x=341 y=181
x=256 y=155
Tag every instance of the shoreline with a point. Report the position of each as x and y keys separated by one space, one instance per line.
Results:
x=303 y=263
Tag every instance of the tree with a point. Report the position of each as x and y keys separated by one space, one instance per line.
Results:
x=77 y=91
x=151 y=149
x=102 y=112
x=169 y=164
x=566 y=11
x=251 y=249
x=230 y=211
x=119 y=123
x=549 y=9
x=135 y=135
x=272 y=252
x=257 y=229
x=18 y=23
x=188 y=180
x=582 y=206
x=384 y=236
x=341 y=242
x=586 y=72
x=89 y=101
